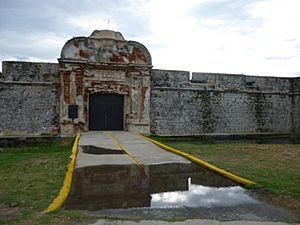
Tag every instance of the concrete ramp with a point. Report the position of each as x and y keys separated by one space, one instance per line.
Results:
x=119 y=169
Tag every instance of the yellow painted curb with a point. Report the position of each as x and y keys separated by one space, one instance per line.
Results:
x=202 y=163
x=65 y=189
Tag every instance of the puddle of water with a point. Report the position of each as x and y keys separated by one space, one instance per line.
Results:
x=91 y=149
x=202 y=196
x=112 y=186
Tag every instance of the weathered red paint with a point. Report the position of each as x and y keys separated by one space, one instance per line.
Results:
x=137 y=54
x=79 y=74
x=118 y=58
x=66 y=86
x=84 y=54
x=142 y=103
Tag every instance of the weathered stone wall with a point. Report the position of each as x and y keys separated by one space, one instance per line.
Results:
x=221 y=104
x=29 y=71
x=207 y=104
x=29 y=99
x=296 y=105
x=235 y=82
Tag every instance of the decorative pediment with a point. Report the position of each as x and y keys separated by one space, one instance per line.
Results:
x=106 y=47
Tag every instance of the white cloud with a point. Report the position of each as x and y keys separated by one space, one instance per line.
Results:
x=88 y=25
x=206 y=46
x=202 y=196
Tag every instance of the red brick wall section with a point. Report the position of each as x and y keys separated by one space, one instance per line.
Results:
x=66 y=86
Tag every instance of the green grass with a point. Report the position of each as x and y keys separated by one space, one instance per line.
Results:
x=274 y=167
x=31 y=176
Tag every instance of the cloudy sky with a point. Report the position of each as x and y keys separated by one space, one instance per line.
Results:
x=255 y=37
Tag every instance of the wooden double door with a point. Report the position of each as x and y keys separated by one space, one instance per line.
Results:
x=106 y=112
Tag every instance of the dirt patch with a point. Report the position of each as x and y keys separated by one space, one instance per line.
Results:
x=8 y=212
x=278 y=200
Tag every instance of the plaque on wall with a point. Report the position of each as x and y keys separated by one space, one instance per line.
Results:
x=73 y=111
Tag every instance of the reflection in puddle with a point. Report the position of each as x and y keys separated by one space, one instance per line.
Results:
x=91 y=149
x=202 y=196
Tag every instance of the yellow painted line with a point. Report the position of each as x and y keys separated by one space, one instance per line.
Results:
x=118 y=144
x=65 y=189
x=204 y=164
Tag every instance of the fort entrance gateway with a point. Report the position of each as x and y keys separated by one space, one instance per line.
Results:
x=108 y=79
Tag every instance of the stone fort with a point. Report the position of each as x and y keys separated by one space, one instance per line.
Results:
x=104 y=82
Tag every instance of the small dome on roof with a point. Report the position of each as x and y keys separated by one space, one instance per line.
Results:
x=102 y=34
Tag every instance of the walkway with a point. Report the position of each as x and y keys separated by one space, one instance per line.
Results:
x=117 y=172
x=139 y=148
x=122 y=169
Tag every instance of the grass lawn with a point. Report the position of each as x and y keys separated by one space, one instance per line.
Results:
x=30 y=177
x=32 y=174
x=274 y=167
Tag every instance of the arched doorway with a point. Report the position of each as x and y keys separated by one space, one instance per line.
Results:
x=106 y=112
